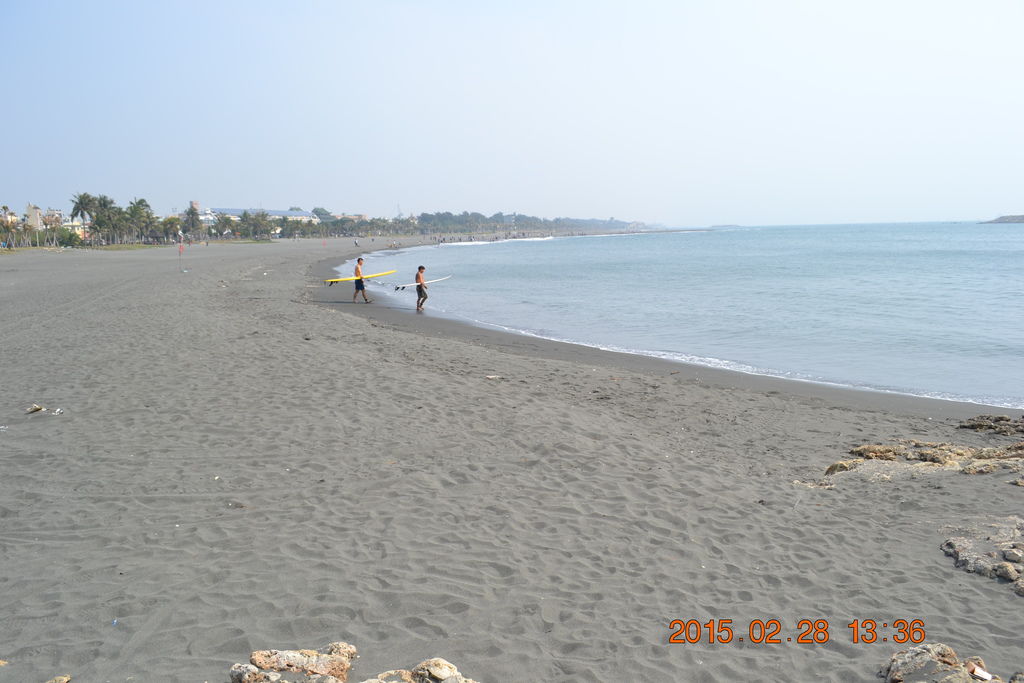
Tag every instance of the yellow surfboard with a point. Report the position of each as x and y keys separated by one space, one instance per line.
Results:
x=365 y=277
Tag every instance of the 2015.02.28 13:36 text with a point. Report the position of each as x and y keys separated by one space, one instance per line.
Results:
x=807 y=631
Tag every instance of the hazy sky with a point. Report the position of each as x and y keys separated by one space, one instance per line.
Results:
x=676 y=112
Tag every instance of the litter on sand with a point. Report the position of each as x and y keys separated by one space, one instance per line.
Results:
x=977 y=672
x=36 y=408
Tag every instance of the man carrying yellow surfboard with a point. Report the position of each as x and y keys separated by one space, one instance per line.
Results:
x=360 y=285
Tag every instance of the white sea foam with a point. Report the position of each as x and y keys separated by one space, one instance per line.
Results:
x=479 y=243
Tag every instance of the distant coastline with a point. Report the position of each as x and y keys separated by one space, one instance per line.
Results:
x=1007 y=219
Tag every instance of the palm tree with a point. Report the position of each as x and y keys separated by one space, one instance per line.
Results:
x=104 y=216
x=140 y=217
x=9 y=219
x=245 y=223
x=170 y=227
x=192 y=221
x=260 y=224
x=83 y=205
x=224 y=224
x=51 y=223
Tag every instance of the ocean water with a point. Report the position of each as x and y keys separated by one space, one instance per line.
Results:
x=929 y=309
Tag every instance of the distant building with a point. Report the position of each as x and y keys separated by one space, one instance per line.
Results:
x=34 y=217
x=350 y=216
x=206 y=217
x=75 y=225
x=37 y=219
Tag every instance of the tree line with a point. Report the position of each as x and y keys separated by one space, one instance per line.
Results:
x=446 y=222
x=516 y=222
x=107 y=223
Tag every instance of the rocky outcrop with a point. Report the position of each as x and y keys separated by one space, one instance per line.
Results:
x=995 y=551
x=878 y=451
x=842 y=466
x=937 y=663
x=966 y=459
x=335 y=662
x=1000 y=424
x=931 y=662
x=332 y=665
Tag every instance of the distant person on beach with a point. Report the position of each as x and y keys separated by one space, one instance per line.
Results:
x=421 y=289
x=360 y=285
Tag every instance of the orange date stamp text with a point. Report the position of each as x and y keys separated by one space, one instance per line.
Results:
x=806 y=631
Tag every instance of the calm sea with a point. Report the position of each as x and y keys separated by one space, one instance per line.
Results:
x=929 y=309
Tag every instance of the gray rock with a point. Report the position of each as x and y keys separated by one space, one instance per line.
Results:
x=931 y=663
x=842 y=466
x=982 y=567
x=1005 y=570
x=990 y=549
x=1000 y=424
x=957 y=548
x=438 y=670
x=247 y=673
x=332 y=665
x=434 y=670
x=393 y=676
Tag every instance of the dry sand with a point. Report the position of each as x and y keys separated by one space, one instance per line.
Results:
x=237 y=468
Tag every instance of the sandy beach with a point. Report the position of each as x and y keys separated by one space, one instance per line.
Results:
x=245 y=459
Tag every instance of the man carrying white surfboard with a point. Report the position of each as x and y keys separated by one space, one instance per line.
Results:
x=421 y=288
x=360 y=285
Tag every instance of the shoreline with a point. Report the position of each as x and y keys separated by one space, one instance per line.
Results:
x=405 y=319
x=233 y=470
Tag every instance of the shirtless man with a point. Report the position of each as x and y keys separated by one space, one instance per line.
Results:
x=360 y=285
x=421 y=289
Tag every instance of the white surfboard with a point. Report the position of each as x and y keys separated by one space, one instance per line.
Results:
x=428 y=282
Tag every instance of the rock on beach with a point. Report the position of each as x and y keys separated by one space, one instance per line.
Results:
x=935 y=663
x=332 y=665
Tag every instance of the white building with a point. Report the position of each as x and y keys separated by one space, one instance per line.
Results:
x=33 y=217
